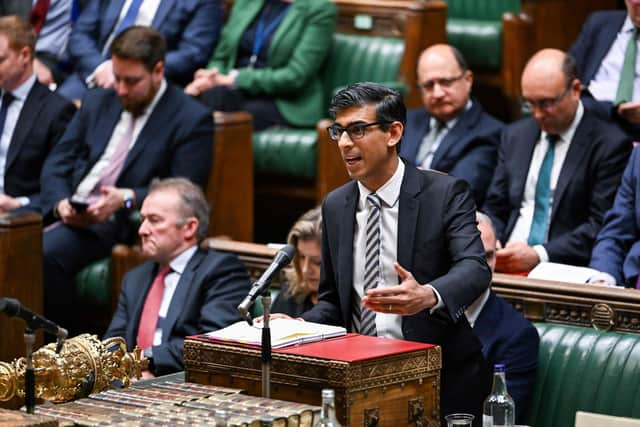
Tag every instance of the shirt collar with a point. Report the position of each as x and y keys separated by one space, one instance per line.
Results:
x=567 y=135
x=627 y=26
x=179 y=263
x=389 y=193
x=451 y=123
x=23 y=90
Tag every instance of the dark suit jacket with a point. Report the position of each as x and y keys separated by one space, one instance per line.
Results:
x=585 y=190
x=508 y=338
x=617 y=248
x=589 y=50
x=190 y=28
x=205 y=299
x=41 y=123
x=177 y=140
x=469 y=151
x=438 y=241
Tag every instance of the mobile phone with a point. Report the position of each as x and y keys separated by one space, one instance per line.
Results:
x=78 y=205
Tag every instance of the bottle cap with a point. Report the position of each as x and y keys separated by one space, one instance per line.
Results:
x=499 y=367
x=328 y=393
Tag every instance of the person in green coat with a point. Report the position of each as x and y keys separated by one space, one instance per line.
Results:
x=268 y=62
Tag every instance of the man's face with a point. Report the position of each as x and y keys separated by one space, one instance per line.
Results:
x=372 y=159
x=489 y=242
x=633 y=10
x=553 y=100
x=445 y=88
x=164 y=232
x=135 y=85
x=13 y=65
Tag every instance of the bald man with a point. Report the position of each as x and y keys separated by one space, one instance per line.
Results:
x=452 y=133
x=558 y=171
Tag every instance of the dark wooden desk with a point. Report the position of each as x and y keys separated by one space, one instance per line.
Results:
x=20 y=276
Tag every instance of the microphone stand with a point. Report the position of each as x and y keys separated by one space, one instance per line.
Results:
x=29 y=373
x=266 y=345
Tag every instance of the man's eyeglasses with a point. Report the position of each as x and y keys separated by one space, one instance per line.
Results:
x=429 y=85
x=354 y=130
x=545 y=104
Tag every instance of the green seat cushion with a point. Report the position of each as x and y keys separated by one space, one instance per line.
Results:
x=479 y=41
x=289 y=152
x=258 y=309
x=93 y=284
x=582 y=369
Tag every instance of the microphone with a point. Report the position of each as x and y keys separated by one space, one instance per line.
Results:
x=12 y=307
x=282 y=258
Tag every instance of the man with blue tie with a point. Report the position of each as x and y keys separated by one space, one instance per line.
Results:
x=452 y=133
x=557 y=172
x=190 y=28
x=606 y=53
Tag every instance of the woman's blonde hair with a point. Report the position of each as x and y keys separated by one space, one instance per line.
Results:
x=308 y=227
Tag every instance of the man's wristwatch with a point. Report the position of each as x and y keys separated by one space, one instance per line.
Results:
x=128 y=198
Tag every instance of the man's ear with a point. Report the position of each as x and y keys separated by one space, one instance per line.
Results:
x=191 y=228
x=395 y=129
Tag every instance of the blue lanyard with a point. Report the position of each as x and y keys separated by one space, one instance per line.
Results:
x=262 y=33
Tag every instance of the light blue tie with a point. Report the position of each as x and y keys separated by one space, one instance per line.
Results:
x=130 y=17
x=538 y=231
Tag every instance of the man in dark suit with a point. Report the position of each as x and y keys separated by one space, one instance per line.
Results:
x=600 y=52
x=198 y=290
x=401 y=255
x=452 y=133
x=507 y=337
x=190 y=28
x=557 y=171
x=32 y=119
x=616 y=253
x=115 y=145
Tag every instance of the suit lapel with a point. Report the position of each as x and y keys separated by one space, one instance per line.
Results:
x=28 y=117
x=180 y=294
x=408 y=210
x=101 y=134
x=163 y=9
x=345 y=251
x=294 y=12
x=458 y=135
x=577 y=150
x=418 y=132
x=605 y=39
x=111 y=17
x=522 y=158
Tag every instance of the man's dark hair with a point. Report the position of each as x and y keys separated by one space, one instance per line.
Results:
x=389 y=104
x=462 y=63
x=140 y=43
x=569 y=68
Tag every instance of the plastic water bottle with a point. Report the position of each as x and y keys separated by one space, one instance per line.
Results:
x=499 y=408
x=328 y=412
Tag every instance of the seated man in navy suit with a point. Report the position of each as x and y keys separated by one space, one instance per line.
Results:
x=557 y=171
x=507 y=337
x=190 y=28
x=452 y=133
x=102 y=166
x=606 y=56
x=32 y=118
x=616 y=253
x=181 y=290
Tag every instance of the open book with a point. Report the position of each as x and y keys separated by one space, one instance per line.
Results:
x=284 y=332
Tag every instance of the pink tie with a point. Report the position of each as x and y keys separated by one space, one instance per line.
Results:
x=149 y=317
x=112 y=171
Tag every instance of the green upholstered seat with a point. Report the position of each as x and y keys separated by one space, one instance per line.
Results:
x=584 y=369
x=475 y=27
x=93 y=284
x=353 y=58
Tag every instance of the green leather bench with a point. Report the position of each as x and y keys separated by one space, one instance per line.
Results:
x=584 y=369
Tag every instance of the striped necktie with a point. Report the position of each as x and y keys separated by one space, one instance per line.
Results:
x=367 y=318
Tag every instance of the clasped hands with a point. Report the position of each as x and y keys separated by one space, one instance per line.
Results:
x=111 y=199
x=205 y=79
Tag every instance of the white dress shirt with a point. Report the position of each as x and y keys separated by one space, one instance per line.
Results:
x=13 y=113
x=522 y=227
x=604 y=85
x=90 y=181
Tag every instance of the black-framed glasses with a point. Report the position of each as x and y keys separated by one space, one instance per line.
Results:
x=444 y=83
x=354 y=130
x=545 y=104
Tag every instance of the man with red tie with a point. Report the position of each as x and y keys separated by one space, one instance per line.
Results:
x=181 y=290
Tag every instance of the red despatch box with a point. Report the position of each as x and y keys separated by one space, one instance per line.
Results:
x=378 y=381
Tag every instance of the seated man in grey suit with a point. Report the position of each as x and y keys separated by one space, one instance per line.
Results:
x=181 y=290
x=452 y=133
x=32 y=118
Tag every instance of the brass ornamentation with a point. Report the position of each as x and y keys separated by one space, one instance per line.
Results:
x=85 y=365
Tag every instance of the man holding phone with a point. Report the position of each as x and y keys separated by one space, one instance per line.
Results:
x=118 y=142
